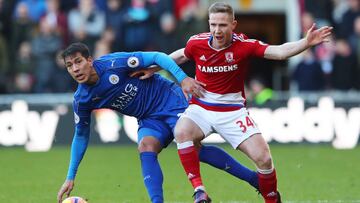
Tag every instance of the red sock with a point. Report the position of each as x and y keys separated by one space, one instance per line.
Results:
x=268 y=186
x=190 y=160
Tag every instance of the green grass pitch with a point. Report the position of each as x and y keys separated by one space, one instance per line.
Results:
x=111 y=174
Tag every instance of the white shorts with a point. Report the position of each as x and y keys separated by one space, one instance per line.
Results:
x=233 y=126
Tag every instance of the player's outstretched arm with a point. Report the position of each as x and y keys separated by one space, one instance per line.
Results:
x=313 y=37
x=165 y=62
x=66 y=189
x=179 y=56
x=189 y=85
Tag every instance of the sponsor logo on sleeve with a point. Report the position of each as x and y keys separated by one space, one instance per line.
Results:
x=76 y=118
x=133 y=62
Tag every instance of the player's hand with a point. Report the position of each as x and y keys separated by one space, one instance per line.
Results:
x=66 y=188
x=145 y=73
x=316 y=36
x=193 y=87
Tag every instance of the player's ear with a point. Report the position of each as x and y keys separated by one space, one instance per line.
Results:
x=90 y=59
x=234 y=23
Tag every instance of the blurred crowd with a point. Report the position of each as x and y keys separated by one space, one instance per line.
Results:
x=334 y=65
x=34 y=32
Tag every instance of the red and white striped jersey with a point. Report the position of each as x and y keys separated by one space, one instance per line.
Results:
x=222 y=70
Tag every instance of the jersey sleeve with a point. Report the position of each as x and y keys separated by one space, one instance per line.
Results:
x=81 y=114
x=123 y=61
x=259 y=48
x=80 y=139
x=165 y=62
x=188 y=49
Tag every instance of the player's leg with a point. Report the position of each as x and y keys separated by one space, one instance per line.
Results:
x=149 y=147
x=256 y=148
x=186 y=134
x=218 y=158
x=239 y=129
x=190 y=130
x=153 y=136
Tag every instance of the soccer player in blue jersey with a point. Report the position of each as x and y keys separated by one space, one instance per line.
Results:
x=156 y=102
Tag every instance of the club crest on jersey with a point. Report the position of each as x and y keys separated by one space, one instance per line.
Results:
x=133 y=62
x=113 y=79
x=229 y=56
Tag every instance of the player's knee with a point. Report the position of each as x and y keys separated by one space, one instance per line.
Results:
x=183 y=136
x=145 y=147
x=264 y=161
x=149 y=145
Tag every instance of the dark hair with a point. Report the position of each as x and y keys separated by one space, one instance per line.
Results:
x=74 y=48
x=221 y=7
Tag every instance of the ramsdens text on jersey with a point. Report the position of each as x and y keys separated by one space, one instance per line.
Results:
x=217 y=69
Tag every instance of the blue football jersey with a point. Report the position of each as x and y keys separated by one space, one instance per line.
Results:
x=116 y=90
x=155 y=97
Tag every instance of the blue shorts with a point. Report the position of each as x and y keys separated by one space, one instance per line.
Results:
x=161 y=123
x=162 y=130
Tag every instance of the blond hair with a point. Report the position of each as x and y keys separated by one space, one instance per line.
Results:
x=221 y=7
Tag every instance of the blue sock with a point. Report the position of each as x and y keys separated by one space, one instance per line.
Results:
x=153 y=177
x=220 y=159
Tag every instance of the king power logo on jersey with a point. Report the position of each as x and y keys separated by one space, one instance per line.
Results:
x=323 y=123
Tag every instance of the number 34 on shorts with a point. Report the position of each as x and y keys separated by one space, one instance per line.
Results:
x=245 y=122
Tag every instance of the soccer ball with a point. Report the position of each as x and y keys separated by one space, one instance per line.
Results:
x=74 y=200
